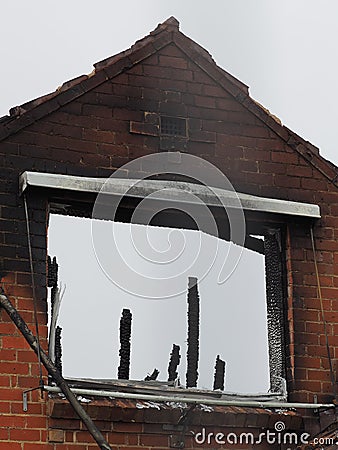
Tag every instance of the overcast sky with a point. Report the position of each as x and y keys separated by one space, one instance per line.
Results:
x=285 y=51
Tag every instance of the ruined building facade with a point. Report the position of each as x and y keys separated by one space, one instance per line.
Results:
x=95 y=124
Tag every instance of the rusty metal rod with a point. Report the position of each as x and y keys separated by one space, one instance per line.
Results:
x=52 y=370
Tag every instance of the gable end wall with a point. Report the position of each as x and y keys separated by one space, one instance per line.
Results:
x=92 y=136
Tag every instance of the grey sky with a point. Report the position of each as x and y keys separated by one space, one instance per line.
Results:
x=233 y=317
x=285 y=51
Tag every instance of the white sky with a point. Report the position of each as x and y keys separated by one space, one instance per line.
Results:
x=285 y=51
x=233 y=314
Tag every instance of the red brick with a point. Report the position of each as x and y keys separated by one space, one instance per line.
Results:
x=7 y=328
x=215 y=91
x=285 y=157
x=305 y=361
x=13 y=422
x=254 y=154
x=202 y=136
x=205 y=102
x=318 y=375
x=36 y=445
x=126 y=90
x=12 y=445
x=255 y=131
x=154 y=440
x=170 y=61
x=299 y=171
x=128 y=427
x=144 y=128
x=170 y=50
x=56 y=436
x=5 y=381
x=287 y=181
x=14 y=368
x=318 y=185
x=228 y=104
x=267 y=167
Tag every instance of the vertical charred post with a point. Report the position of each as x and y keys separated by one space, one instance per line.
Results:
x=219 y=374
x=173 y=363
x=153 y=376
x=53 y=268
x=125 y=334
x=52 y=281
x=193 y=333
x=58 y=349
x=275 y=310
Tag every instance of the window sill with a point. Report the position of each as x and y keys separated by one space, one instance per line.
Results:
x=170 y=413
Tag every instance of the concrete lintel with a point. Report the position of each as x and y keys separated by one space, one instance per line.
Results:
x=168 y=191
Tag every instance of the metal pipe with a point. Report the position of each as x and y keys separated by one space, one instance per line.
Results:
x=53 y=371
x=204 y=401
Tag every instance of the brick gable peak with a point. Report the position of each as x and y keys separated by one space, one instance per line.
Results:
x=164 y=34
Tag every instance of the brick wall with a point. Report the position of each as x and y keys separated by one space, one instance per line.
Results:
x=91 y=136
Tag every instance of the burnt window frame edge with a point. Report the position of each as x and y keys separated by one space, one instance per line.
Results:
x=278 y=385
x=278 y=375
x=47 y=195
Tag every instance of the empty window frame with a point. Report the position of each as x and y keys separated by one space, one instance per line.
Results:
x=274 y=263
x=238 y=321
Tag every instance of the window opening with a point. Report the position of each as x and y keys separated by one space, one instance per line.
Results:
x=233 y=318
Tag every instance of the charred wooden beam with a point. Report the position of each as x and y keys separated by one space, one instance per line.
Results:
x=125 y=334
x=255 y=244
x=219 y=374
x=175 y=358
x=53 y=269
x=153 y=376
x=58 y=349
x=193 y=333
x=52 y=280
x=53 y=295
x=275 y=310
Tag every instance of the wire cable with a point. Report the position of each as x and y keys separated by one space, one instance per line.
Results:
x=41 y=383
x=323 y=315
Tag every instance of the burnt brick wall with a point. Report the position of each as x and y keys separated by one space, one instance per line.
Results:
x=92 y=136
